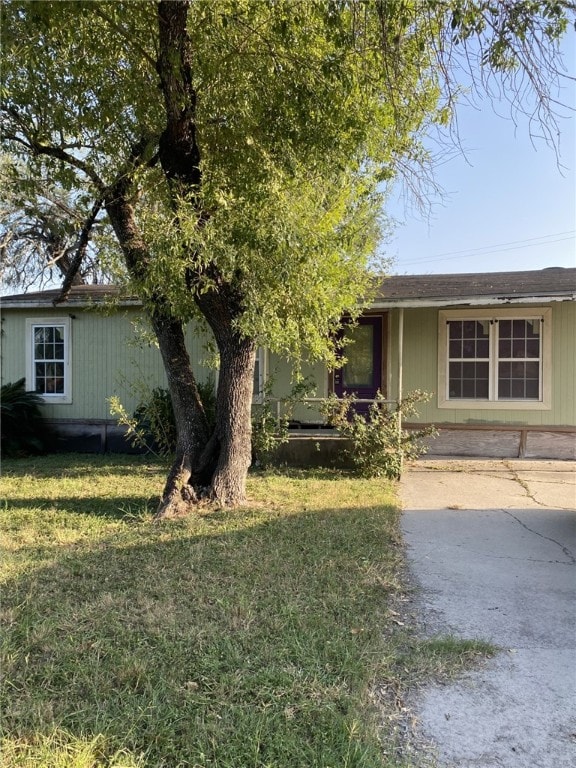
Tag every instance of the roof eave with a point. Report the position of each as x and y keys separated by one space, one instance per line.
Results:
x=469 y=301
x=65 y=305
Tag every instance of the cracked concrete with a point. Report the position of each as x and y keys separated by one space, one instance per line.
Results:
x=492 y=546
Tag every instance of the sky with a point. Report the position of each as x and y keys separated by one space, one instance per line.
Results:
x=508 y=203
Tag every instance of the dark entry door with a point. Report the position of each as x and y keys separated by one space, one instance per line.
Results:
x=362 y=373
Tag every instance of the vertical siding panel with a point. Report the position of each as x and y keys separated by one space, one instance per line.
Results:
x=564 y=363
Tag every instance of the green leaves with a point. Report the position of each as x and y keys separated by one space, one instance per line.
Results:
x=303 y=114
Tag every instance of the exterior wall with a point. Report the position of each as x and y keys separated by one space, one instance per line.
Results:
x=420 y=363
x=279 y=373
x=107 y=359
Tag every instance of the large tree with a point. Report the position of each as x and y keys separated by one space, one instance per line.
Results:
x=239 y=149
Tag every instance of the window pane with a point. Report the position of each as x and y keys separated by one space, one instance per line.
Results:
x=519 y=329
x=533 y=329
x=518 y=388
x=359 y=369
x=456 y=370
x=532 y=389
x=518 y=348
x=455 y=329
x=533 y=348
x=504 y=389
x=505 y=329
x=456 y=348
x=482 y=389
x=505 y=347
x=482 y=348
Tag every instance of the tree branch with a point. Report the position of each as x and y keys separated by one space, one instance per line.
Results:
x=80 y=252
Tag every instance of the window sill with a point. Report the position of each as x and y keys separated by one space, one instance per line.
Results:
x=56 y=399
x=495 y=405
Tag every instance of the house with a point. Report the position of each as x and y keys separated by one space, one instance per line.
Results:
x=495 y=350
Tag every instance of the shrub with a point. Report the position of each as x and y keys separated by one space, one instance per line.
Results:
x=378 y=445
x=152 y=425
x=23 y=428
x=154 y=419
x=269 y=431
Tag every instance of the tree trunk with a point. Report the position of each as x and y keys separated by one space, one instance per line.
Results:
x=233 y=421
x=191 y=425
x=182 y=483
x=232 y=442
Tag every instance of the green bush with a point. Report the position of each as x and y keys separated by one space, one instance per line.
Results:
x=23 y=429
x=270 y=431
x=378 y=443
x=155 y=423
x=152 y=426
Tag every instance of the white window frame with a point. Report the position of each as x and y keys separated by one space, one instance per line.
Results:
x=63 y=322
x=524 y=313
x=260 y=375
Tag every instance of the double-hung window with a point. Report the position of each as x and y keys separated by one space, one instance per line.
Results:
x=494 y=358
x=48 y=358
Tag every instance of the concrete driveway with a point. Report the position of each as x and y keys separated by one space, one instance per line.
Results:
x=492 y=546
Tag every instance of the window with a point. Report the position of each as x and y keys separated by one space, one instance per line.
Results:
x=259 y=375
x=48 y=358
x=494 y=358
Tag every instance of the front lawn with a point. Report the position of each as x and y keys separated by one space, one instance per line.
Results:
x=252 y=638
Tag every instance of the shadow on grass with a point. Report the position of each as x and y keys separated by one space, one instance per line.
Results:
x=224 y=640
x=74 y=465
x=125 y=508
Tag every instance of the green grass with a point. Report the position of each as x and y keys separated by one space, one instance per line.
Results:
x=252 y=638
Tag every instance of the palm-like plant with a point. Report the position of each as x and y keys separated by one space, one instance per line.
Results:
x=23 y=430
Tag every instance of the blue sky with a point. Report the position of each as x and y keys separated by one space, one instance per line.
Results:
x=509 y=203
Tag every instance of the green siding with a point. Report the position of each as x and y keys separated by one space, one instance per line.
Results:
x=106 y=359
x=420 y=371
x=280 y=376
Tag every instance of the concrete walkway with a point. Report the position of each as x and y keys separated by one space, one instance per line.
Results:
x=492 y=546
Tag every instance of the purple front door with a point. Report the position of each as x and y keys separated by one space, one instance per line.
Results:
x=362 y=373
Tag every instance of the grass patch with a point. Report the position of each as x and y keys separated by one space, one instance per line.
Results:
x=226 y=640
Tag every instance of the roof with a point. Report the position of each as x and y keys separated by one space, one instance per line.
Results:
x=473 y=289
x=79 y=296
x=481 y=288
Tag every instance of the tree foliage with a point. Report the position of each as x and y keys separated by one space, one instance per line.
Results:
x=47 y=234
x=241 y=150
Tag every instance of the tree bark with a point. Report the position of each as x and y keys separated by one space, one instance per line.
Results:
x=232 y=436
x=184 y=481
x=233 y=421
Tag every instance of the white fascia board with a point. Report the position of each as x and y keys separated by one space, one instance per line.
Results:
x=66 y=305
x=476 y=301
